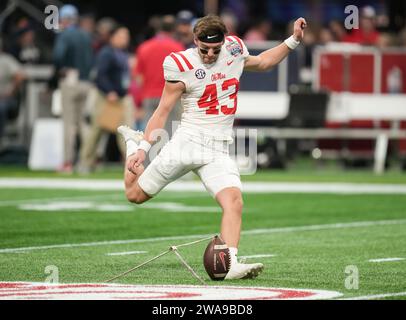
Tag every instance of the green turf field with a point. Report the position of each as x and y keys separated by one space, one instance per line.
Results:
x=311 y=238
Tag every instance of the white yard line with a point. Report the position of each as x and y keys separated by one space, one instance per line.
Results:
x=386 y=259
x=7 y=203
x=126 y=253
x=247 y=232
x=118 y=196
x=378 y=296
x=326 y=226
x=117 y=206
x=196 y=186
x=69 y=184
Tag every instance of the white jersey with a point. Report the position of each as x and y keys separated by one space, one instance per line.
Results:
x=210 y=100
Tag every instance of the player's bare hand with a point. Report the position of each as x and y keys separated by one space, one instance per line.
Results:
x=298 y=29
x=135 y=160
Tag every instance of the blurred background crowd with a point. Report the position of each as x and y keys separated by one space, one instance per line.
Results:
x=106 y=52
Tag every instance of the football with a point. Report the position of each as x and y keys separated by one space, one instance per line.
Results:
x=217 y=259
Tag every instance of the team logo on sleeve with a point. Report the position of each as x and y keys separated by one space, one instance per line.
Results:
x=234 y=48
x=200 y=74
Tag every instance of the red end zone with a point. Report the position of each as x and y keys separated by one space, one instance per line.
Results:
x=83 y=291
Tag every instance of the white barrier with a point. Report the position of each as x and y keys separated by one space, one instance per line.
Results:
x=341 y=106
x=46 y=150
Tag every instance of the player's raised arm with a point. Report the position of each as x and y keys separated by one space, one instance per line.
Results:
x=271 y=57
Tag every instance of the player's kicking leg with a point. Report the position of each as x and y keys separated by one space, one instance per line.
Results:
x=230 y=200
x=133 y=191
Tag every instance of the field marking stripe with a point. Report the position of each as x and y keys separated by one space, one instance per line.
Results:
x=109 y=196
x=377 y=296
x=125 y=253
x=386 y=259
x=247 y=232
x=196 y=186
x=326 y=226
x=101 y=243
x=117 y=196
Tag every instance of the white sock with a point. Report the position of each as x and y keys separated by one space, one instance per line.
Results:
x=233 y=254
x=132 y=147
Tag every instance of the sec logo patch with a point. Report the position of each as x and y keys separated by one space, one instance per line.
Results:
x=200 y=74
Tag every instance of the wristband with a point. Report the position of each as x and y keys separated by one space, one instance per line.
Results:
x=144 y=145
x=291 y=42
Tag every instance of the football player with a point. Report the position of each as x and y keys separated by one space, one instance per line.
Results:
x=206 y=79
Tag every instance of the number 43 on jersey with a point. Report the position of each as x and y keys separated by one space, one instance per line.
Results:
x=209 y=98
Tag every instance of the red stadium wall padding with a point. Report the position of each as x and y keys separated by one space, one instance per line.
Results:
x=331 y=72
x=361 y=145
x=331 y=144
x=402 y=142
x=390 y=60
x=361 y=73
x=385 y=124
x=361 y=66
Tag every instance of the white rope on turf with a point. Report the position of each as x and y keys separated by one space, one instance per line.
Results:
x=173 y=249
x=139 y=266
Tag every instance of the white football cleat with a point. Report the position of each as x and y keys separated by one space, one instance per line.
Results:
x=244 y=271
x=130 y=134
